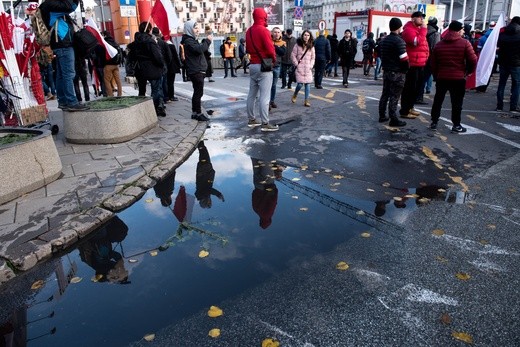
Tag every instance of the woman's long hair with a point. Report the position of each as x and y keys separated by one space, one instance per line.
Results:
x=301 y=43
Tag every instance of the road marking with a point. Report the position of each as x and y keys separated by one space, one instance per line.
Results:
x=514 y=128
x=474 y=246
x=322 y=99
x=228 y=92
x=188 y=93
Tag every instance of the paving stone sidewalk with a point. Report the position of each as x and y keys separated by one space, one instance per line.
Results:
x=96 y=182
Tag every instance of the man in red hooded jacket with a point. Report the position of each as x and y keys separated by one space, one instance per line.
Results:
x=259 y=46
x=414 y=35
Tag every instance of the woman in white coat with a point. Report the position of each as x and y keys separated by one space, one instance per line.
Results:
x=303 y=57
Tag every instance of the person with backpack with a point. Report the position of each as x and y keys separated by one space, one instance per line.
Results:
x=111 y=69
x=368 y=53
x=377 y=55
x=55 y=15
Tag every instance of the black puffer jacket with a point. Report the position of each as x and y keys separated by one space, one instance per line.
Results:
x=194 y=53
x=146 y=52
x=393 y=54
x=509 y=46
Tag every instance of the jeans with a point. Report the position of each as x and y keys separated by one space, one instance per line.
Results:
x=284 y=74
x=377 y=70
x=112 y=72
x=276 y=74
x=457 y=89
x=260 y=84
x=307 y=89
x=414 y=80
x=65 y=73
x=505 y=71
x=332 y=64
x=228 y=63
x=393 y=83
x=48 y=77
x=319 y=70
x=346 y=73
x=157 y=93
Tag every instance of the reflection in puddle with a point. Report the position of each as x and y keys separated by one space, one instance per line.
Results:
x=266 y=221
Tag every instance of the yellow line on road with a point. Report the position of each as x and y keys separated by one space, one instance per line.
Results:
x=322 y=98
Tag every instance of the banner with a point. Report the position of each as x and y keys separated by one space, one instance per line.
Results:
x=274 y=11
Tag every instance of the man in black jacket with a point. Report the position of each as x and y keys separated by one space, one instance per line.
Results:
x=322 y=52
x=509 y=60
x=394 y=61
x=55 y=14
x=149 y=65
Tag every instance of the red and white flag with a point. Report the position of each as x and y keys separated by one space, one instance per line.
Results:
x=487 y=55
x=92 y=27
x=165 y=17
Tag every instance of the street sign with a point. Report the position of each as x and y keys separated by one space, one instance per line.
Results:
x=298 y=29
x=127 y=2
x=322 y=25
x=298 y=12
x=421 y=8
x=298 y=22
x=298 y=3
x=128 y=11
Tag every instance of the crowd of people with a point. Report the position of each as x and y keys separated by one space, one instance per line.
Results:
x=409 y=58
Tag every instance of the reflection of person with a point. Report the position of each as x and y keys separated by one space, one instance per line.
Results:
x=380 y=208
x=265 y=194
x=164 y=189
x=99 y=254
x=204 y=178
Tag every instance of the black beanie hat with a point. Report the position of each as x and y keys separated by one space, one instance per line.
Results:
x=456 y=26
x=395 y=23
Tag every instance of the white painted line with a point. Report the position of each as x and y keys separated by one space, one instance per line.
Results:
x=228 y=92
x=474 y=246
x=189 y=92
x=514 y=128
x=429 y=297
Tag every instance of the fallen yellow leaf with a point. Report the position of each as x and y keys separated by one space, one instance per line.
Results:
x=153 y=253
x=484 y=242
x=149 y=200
x=270 y=343
x=411 y=196
x=149 y=337
x=269 y=189
x=370 y=190
x=462 y=276
x=295 y=179
x=365 y=234
x=304 y=167
x=317 y=171
x=360 y=213
x=75 y=279
x=335 y=184
x=441 y=259
x=132 y=260
x=386 y=184
x=342 y=266
x=214 y=333
x=492 y=226
x=397 y=198
x=441 y=190
x=333 y=189
x=203 y=254
x=304 y=208
x=462 y=337
x=423 y=200
x=328 y=170
x=37 y=285
x=96 y=278
x=294 y=196
x=438 y=232
x=338 y=177
x=215 y=311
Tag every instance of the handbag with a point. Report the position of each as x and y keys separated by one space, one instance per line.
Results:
x=83 y=41
x=266 y=64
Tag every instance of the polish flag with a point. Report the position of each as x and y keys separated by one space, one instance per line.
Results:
x=165 y=17
x=487 y=55
x=91 y=26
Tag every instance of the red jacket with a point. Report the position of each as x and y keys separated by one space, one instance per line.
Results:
x=416 y=44
x=453 y=58
x=259 y=37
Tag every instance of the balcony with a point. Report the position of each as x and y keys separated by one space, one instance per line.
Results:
x=179 y=8
x=193 y=9
x=200 y=20
x=220 y=9
x=207 y=9
x=243 y=9
x=233 y=9
x=211 y=20
x=239 y=19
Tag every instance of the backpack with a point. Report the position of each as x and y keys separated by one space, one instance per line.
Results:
x=366 y=46
x=45 y=56
x=42 y=34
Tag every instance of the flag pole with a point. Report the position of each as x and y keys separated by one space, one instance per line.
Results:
x=474 y=14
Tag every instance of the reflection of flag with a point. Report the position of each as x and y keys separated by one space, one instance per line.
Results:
x=180 y=206
x=92 y=27
x=487 y=55
x=165 y=17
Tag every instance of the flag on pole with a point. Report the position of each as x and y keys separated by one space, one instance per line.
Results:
x=91 y=26
x=165 y=17
x=487 y=55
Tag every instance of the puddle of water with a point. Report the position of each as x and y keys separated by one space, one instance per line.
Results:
x=142 y=271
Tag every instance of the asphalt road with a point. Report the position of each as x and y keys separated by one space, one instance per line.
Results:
x=445 y=274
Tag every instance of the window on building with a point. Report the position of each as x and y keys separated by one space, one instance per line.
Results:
x=187 y=16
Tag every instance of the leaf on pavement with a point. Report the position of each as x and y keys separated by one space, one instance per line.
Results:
x=335 y=184
x=96 y=278
x=338 y=177
x=360 y=213
x=203 y=253
x=438 y=232
x=461 y=336
x=445 y=319
x=296 y=179
x=365 y=235
x=149 y=337
x=215 y=311
x=132 y=260
x=370 y=190
x=462 y=276
x=342 y=266
x=441 y=190
x=214 y=333
x=484 y=242
x=386 y=184
x=304 y=167
x=149 y=200
x=397 y=198
x=491 y=226
x=412 y=196
x=333 y=189
x=153 y=253
x=328 y=170
x=75 y=279
x=294 y=197
x=37 y=284
x=424 y=200
x=304 y=209
x=270 y=343
x=441 y=259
